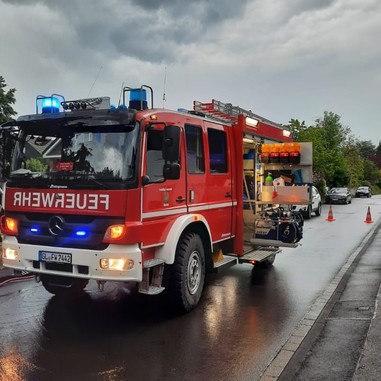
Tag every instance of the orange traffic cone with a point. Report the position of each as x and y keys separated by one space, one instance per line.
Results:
x=330 y=215
x=368 y=218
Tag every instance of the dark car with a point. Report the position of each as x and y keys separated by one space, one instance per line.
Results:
x=339 y=196
x=363 y=192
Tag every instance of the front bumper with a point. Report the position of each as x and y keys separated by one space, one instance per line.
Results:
x=85 y=263
x=337 y=200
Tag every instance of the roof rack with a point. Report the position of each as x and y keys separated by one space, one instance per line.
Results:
x=227 y=113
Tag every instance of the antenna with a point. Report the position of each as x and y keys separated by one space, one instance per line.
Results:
x=165 y=81
x=121 y=92
x=96 y=77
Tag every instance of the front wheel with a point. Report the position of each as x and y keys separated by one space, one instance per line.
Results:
x=188 y=272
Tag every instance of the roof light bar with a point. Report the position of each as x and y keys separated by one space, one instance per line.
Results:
x=100 y=103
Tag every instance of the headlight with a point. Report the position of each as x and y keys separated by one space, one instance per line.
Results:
x=10 y=254
x=117 y=264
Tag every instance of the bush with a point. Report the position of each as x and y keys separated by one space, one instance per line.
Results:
x=321 y=186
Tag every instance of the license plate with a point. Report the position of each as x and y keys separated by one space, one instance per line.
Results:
x=48 y=256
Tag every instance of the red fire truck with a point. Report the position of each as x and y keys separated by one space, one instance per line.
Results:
x=133 y=193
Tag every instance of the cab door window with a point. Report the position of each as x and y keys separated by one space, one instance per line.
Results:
x=155 y=161
x=195 y=149
x=217 y=151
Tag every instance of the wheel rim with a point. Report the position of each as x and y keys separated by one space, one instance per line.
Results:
x=194 y=272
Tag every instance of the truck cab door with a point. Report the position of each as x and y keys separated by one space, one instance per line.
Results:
x=219 y=181
x=209 y=185
x=162 y=199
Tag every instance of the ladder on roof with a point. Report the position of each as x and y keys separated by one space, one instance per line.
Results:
x=227 y=113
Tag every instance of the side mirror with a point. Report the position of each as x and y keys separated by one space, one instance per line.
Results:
x=171 y=144
x=171 y=171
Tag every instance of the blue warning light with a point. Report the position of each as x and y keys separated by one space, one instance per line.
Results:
x=50 y=105
x=138 y=99
x=81 y=233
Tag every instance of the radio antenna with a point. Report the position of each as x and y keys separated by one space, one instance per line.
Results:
x=96 y=77
x=121 y=92
x=165 y=81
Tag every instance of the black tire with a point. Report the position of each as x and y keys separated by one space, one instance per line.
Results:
x=308 y=213
x=60 y=285
x=267 y=262
x=188 y=272
x=318 y=210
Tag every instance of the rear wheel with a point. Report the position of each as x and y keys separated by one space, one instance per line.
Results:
x=268 y=262
x=188 y=272
x=318 y=210
x=308 y=214
x=60 y=285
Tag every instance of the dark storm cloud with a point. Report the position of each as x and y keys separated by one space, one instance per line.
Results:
x=307 y=5
x=326 y=51
x=213 y=11
x=147 y=30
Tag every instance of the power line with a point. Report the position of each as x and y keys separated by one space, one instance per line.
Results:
x=95 y=80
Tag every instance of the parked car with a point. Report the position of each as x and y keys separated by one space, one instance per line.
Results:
x=338 y=195
x=363 y=192
x=313 y=207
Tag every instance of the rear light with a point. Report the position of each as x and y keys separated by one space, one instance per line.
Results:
x=9 y=226
x=114 y=233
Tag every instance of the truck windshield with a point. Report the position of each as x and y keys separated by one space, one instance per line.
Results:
x=75 y=156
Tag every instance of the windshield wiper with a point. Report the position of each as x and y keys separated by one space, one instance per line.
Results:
x=74 y=175
x=26 y=173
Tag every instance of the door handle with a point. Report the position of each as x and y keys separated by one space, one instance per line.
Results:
x=228 y=194
x=180 y=199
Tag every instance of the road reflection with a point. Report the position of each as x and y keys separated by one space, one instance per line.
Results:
x=120 y=335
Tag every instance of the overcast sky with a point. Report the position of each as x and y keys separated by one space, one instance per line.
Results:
x=282 y=59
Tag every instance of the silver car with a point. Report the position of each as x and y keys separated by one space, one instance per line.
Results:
x=313 y=207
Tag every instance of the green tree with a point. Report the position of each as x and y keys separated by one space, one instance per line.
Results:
x=36 y=165
x=378 y=149
x=371 y=171
x=328 y=138
x=295 y=126
x=334 y=133
x=7 y=99
x=354 y=164
x=366 y=148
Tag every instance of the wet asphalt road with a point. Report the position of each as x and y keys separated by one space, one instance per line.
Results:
x=245 y=316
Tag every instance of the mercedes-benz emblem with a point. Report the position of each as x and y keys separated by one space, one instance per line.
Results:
x=56 y=225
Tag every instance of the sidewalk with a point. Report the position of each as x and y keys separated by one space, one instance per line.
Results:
x=340 y=338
